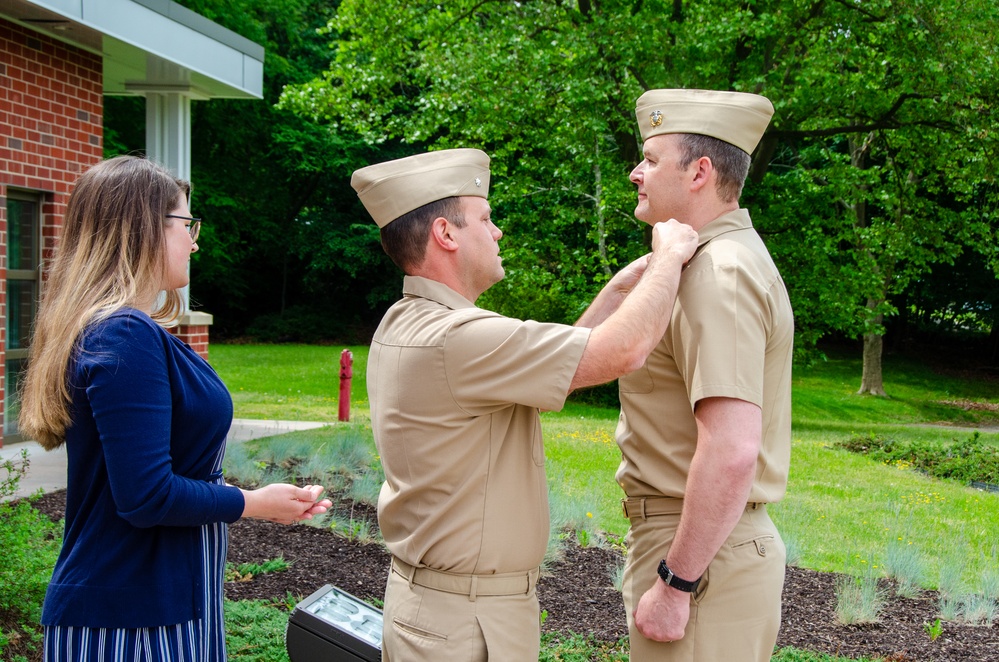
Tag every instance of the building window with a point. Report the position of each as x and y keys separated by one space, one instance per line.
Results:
x=23 y=240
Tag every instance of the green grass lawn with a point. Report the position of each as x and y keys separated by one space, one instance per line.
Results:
x=289 y=382
x=842 y=512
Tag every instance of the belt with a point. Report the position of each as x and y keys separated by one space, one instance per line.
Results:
x=645 y=507
x=509 y=583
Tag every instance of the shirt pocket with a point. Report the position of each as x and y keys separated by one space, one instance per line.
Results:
x=639 y=381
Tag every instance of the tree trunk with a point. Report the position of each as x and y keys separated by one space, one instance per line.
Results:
x=598 y=208
x=871 y=380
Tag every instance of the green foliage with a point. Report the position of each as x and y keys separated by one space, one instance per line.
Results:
x=876 y=171
x=245 y=572
x=254 y=631
x=305 y=324
x=571 y=647
x=791 y=654
x=933 y=630
x=13 y=470
x=282 y=225
x=30 y=544
x=970 y=460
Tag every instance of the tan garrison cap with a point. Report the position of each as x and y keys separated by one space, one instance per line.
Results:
x=735 y=117
x=389 y=190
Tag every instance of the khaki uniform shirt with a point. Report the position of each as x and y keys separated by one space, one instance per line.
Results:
x=455 y=394
x=730 y=336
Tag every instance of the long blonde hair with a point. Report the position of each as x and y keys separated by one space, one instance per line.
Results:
x=110 y=256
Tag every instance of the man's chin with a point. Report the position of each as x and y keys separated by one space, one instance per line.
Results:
x=642 y=214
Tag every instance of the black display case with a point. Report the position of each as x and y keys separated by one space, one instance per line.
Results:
x=333 y=626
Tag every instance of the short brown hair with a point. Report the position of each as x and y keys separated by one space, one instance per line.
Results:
x=731 y=163
x=405 y=239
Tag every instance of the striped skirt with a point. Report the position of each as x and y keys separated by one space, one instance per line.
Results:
x=199 y=640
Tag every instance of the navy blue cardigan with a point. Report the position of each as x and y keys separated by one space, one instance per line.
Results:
x=149 y=419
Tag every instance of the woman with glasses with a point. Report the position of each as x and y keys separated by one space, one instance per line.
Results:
x=144 y=419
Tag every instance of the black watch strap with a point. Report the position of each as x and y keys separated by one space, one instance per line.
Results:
x=674 y=581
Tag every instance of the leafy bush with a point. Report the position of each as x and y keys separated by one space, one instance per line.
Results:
x=30 y=544
x=970 y=460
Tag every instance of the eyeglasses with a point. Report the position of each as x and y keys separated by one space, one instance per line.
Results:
x=194 y=228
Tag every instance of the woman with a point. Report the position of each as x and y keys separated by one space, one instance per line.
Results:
x=144 y=420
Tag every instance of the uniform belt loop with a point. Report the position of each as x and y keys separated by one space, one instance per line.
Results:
x=474 y=588
x=643 y=502
x=412 y=576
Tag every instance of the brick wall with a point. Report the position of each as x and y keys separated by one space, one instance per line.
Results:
x=195 y=335
x=51 y=130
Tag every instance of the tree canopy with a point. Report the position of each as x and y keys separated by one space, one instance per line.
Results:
x=878 y=166
x=874 y=187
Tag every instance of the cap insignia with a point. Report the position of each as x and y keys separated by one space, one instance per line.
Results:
x=656 y=118
x=478 y=183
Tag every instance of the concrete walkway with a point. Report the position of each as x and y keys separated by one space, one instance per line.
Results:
x=47 y=469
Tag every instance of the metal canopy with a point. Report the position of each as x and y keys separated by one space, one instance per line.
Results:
x=150 y=46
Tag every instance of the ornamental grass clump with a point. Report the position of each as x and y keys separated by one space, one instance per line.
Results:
x=904 y=564
x=859 y=599
x=978 y=610
x=241 y=468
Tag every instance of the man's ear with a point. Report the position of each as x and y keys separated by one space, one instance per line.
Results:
x=703 y=172
x=442 y=233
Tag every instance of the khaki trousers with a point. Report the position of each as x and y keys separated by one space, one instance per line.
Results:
x=735 y=612
x=423 y=624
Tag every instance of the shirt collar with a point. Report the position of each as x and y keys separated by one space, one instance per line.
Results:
x=737 y=219
x=425 y=288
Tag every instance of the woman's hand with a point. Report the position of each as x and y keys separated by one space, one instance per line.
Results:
x=283 y=503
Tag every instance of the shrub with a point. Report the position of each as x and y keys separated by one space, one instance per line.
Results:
x=30 y=543
x=306 y=324
x=970 y=460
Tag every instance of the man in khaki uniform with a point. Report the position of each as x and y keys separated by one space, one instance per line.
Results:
x=455 y=393
x=705 y=428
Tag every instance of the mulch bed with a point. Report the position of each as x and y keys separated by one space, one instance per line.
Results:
x=578 y=596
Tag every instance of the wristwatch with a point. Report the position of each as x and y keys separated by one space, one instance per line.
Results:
x=674 y=581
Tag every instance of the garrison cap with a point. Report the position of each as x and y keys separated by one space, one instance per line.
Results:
x=737 y=118
x=389 y=190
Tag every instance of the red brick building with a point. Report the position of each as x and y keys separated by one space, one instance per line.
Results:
x=58 y=60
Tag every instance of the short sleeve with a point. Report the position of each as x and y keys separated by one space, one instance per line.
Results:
x=493 y=361
x=720 y=334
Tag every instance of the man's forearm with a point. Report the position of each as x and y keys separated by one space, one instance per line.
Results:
x=623 y=341
x=718 y=484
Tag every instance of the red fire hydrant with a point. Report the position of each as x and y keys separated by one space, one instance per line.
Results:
x=346 y=372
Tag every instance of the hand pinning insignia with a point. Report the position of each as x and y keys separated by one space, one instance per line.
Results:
x=657 y=118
